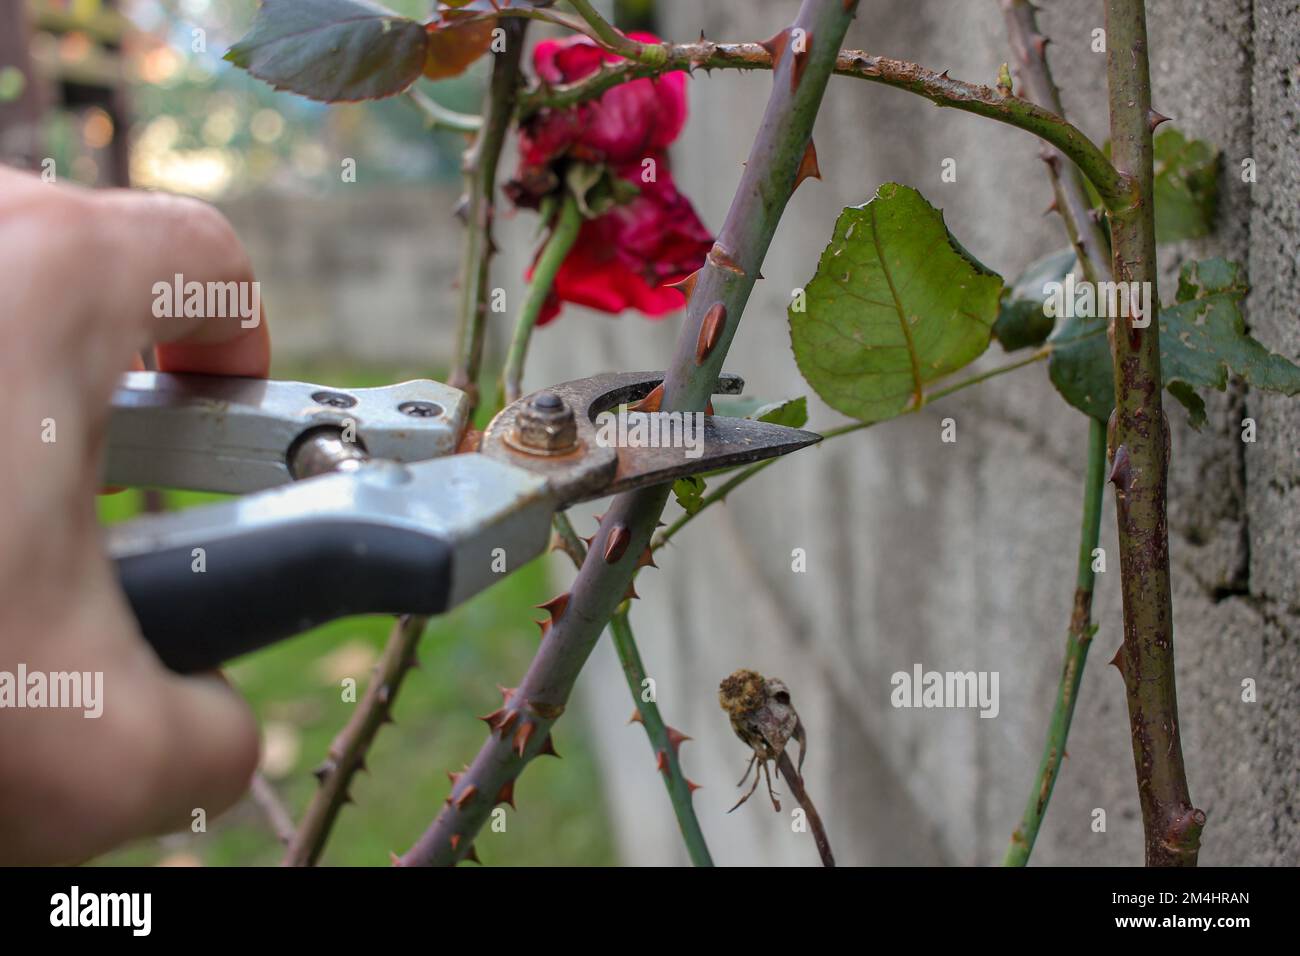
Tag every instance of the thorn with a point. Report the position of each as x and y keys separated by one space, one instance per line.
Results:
x=776 y=46
x=323 y=770
x=466 y=796
x=676 y=738
x=944 y=75
x=453 y=776
x=544 y=626
x=711 y=327
x=661 y=762
x=590 y=538
x=650 y=403
x=461 y=210
x=548 y=748
x=522 y=736
x=507 y=794
x=636 y=718
x=616 y=542
x=555 y=606
x=630 y=594
x=720 y=258
x=647 y=559
x=691 y=785
x=501 y=720
x=1117 y=661
x=1154 y=119
x=1119 y=469
x=394 y=859
x=686 y=286
x=472 y=854
x=347 y=798
x=708 y=408
x=1040 y=43
x=455 y=841
x=361 y=764
x=1052 y=207
x=808 y=168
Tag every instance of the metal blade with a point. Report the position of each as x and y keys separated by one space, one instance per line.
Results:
x=581 y=438
x=720 y=443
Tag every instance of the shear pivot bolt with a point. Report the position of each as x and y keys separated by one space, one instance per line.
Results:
x=546 y=424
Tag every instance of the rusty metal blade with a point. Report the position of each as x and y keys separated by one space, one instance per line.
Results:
x=724 y=443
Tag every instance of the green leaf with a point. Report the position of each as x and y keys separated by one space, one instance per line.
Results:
x=1203 y=339
x=791 y=412
x=689 y=492
x=1186 y=186
x=896 y=304
x=332 y=50
x=1080 y=366
x=1022 y=321
x=1203 y=336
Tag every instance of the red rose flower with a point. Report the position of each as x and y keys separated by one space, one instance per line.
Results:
x=624 y=257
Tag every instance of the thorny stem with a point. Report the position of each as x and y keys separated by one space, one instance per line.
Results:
x=749 y=471
x=347 y=754
x=1071 y=200
x=787 y=769
x=1090 y=242
x=662 y=739
x=1078 y=640
x=563 y=234
x=437 y=116
x=1139 y=453
x=479 y=166
x=939 y=88
x=620 y=544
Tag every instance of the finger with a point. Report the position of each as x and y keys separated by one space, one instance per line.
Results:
x=176 y=246
x=210 y=754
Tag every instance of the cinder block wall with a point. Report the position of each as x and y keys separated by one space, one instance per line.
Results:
x=957 y=556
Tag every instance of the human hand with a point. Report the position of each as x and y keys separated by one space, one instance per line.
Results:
x=77 y=271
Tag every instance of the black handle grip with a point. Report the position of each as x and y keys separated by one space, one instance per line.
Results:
x=270 y=583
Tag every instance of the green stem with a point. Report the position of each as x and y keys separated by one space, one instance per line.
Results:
x=679 y=788
x=437 y=116
x=739 y=478
x=563 y=235
x=1078 y=640
x=479 y=166
x=939 y=88
x=1139 y=442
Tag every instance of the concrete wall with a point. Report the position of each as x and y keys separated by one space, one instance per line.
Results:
x=957 y=556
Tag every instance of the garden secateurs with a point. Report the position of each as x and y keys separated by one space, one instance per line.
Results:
x=365 y=500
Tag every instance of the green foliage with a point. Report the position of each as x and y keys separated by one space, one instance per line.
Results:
x=689 y=492
x=332 y=50
x=1203 y=338
x=791 y=412
x=1186 y=186
x=1022 y=321
x=896 y=304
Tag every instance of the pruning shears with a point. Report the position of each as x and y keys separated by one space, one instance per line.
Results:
x=363 y=500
